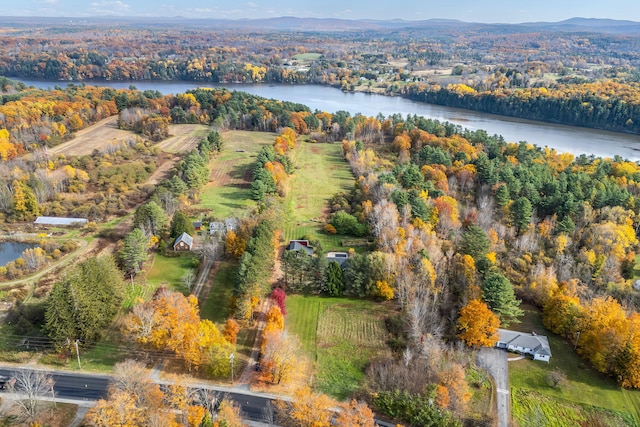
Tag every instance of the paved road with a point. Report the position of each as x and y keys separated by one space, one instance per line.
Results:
x=90 y=387
x=87 y=387
x=495 y=361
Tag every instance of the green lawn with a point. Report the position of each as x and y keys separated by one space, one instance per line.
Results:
x=585 y=386
x=169 y=271
x=217 y=307
x=320 y=173
x=304 y=57
x=340 y=336
x=228 y=192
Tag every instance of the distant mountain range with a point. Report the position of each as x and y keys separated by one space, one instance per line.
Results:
x=290 y=23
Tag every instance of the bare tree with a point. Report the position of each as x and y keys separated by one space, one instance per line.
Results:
x=211 y=248
x=31 y=386
x=188 y=280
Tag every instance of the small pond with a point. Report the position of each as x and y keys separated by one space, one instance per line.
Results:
x=10 y=251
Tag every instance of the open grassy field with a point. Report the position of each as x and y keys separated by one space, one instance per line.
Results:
x=103 y=134
x=320 y=173
x=340 y=335
x=306 y=57
x=217 y=307
x=228 y=190
x=183 y=138
x=585 y=386
x=169 y=271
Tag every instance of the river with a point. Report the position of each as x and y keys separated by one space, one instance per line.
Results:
x=563 y=138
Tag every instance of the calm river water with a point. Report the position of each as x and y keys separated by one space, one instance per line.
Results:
x=563 y=138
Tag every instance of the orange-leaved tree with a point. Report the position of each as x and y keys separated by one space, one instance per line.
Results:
x=478 y=325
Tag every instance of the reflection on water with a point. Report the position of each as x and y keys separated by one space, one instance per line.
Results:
x=10 y=251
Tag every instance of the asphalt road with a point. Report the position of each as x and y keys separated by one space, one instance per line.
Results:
x=495 y=361
x=94 y=387
x=90 y=387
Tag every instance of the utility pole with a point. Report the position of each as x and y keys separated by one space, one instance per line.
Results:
x=78 y=354
x=231 y=359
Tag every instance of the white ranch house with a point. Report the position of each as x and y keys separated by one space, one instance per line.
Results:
x=522 y=342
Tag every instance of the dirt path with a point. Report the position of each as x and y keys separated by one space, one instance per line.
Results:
x=249 y=373
x=162 y=172
x=203 y=277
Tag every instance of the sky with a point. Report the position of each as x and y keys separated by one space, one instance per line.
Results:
x=503 y=11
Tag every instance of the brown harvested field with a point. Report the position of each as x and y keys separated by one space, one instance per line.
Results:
x=97 y=136
x=183 y=138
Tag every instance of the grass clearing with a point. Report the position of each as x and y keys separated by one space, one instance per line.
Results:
x=169 y=271
x=585 y=386
x=217 y=306
x=320 y=173
x=341 y=336
x=98 y=136
x=228 y=192
x=183 y=138
x=306 y=57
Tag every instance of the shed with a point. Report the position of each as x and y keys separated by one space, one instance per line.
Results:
x=184 y=242
x=300 y=246
x=60 y=221
x=197 y=225
x=521 y=342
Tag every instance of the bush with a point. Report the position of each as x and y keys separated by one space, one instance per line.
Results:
x=329 y=229
x=345 y=223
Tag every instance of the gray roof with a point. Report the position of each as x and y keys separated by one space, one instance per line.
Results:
x=539 y=343
x=300 y=245
x=339 y=257
x=56 y=220
x=184 y=237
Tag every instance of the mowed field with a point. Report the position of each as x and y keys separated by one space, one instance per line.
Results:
x=587 y=393
x=341 y=336
x=320 y=173
x=228 y=192
x=183 y=138
x=98 y=136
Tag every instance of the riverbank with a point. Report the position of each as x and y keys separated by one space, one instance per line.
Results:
x=570 y=139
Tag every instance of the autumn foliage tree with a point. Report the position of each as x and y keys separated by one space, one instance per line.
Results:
x=478 y=325
x=171 y=321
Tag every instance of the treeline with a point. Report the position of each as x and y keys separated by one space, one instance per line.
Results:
x=609 y=106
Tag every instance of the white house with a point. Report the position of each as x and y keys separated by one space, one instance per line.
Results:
x=521 y=342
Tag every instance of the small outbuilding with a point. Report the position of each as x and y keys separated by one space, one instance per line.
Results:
x=197 y=225
x=60 y=221
x=522 y=342
x=184 y=242
x=300 y=246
